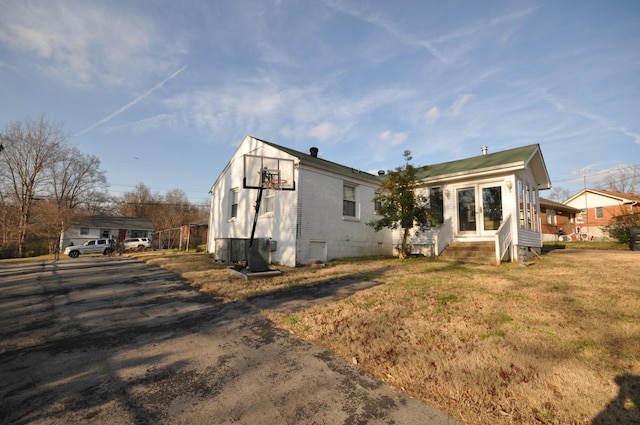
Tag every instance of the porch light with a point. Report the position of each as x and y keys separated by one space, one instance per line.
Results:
x=508 y=183
x=447 y=193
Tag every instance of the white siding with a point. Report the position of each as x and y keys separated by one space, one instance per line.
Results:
x=311 y=213
x=321 y=219
x=279 y=226
x=527 y=237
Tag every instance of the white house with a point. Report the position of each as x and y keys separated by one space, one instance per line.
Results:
x=490 y=198
x=105 y=227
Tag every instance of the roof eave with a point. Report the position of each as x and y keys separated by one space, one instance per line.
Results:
x=483 y=172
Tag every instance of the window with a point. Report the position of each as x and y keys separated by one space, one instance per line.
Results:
x=348 y=200
x=377 y=206
x=84 y=230
x=436 y=206
x=521 y=202
x=104 y=233
x=233 y=196
x=269 y=201
x=551 y=217
x=599 y=212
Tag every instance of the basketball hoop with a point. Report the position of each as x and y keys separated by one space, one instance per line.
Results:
x=275 y=183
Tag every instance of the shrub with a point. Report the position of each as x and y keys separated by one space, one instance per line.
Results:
x=619 y=226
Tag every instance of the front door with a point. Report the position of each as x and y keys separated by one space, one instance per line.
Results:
x=481 y=218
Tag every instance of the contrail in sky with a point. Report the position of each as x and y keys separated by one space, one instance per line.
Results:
x=133 y=102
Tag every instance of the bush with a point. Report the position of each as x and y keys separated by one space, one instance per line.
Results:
x=619 y=226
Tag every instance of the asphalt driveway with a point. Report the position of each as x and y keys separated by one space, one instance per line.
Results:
x=113 y=340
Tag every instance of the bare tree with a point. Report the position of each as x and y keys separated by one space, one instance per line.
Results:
x=559 y=194
x=623 y=178
x=78 y=187
x=29 y=149
x=140 y=202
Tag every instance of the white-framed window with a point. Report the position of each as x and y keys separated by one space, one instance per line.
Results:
x=348 y=200
x=521 y=208
x=233 y=203
x=599 y=212
x=551 y=217
x=84 y=230
x=269 y=199
x=436 y=206
x=104 y=233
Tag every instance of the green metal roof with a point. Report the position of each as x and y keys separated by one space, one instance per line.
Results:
x=307 y=159
x=514 y=157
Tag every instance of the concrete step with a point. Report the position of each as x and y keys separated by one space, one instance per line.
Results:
x=471 y=252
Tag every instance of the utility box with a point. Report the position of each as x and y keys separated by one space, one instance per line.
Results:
x=634 y=238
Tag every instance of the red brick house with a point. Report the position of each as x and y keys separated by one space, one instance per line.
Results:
x=598 y=207
x=557 y=219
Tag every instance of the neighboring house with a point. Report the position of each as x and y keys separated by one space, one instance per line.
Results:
x=490 y=198
x=106 y=227
x=597 y=208
x=558 y=220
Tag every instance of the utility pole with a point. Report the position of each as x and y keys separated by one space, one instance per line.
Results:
x=586 y=206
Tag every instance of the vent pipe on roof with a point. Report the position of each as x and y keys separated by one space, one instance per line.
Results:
x=314 y=152
x=381 y=172
x=484 y=150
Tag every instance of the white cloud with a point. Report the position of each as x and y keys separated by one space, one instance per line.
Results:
x=432 y=115
x=458 y=104
x=394 y=139
x=323 y=131
x=82 y=43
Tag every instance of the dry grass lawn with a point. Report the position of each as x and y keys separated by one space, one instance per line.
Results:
x=555 y=342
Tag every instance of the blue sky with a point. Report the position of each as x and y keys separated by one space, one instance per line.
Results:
x=163 y=91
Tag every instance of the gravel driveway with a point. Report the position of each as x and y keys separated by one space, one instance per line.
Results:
x=112 y=340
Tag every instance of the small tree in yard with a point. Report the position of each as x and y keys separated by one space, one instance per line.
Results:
x=619 y=226
x=399 y=204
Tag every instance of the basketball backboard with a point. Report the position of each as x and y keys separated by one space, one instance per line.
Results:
x=266 y=172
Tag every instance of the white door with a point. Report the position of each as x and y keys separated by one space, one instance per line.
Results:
x=479 y=209
x=491 y=208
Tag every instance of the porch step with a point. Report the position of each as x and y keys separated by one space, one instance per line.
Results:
x=470 y=252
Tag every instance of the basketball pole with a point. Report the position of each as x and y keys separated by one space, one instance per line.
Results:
x=255 y=260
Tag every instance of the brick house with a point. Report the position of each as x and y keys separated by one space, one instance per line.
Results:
x=557 y=220
x=597 y=208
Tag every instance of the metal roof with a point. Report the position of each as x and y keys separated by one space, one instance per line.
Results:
x=529 y=156
x=308 y=159
x=510 y=159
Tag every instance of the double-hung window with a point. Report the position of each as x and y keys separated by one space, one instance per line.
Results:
x=599 y=213
x=348 y=200
x=233 y=210
x=269 y=201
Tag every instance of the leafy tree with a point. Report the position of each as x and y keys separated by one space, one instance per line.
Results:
x=399 y=204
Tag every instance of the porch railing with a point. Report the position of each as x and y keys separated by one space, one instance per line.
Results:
x=444 y=236
x=504 y=239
